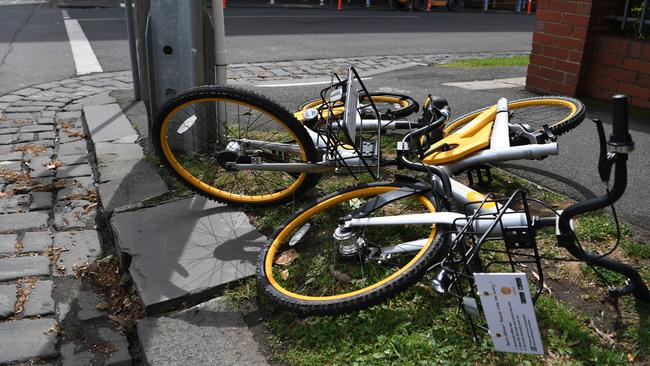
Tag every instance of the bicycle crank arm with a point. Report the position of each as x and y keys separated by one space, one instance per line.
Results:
x=281 y=167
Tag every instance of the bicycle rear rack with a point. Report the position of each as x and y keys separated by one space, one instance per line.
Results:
x=500 y=249
x=348 y=145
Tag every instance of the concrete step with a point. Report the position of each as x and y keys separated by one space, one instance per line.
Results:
x=212 y=333
x=185 y=251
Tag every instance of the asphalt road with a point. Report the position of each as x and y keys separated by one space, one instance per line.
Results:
x=34 y=45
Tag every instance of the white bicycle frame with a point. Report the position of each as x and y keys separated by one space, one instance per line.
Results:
x=464 y=197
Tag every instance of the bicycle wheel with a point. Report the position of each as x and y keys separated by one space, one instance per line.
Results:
x=199 y=132
x=454 y=5
x=561 y=114
x=305 y=269
x=419 y=5
x=389 y=105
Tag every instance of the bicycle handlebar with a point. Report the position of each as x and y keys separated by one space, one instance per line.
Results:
x=620 y=144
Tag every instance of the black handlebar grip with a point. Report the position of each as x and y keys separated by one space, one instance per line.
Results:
x=620 y=131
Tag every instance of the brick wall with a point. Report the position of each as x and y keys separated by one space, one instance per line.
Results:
x=619 y=65
x=574 y=54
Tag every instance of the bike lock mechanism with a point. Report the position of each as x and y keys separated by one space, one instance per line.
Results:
x=619 y=145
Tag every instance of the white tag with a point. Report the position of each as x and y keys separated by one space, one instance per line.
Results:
x=509 y=312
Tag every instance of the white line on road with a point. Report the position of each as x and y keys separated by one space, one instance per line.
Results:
x=490 y=84
x=84 y=57
x=323 y=16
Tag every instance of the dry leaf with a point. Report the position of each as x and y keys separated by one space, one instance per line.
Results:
x=286 y=258
x=340 y=275
x=284 y=274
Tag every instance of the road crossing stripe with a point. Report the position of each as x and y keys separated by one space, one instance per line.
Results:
x=84 y=57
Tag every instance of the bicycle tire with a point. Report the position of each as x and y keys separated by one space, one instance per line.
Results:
x=559 y=125
x=184 y=139
x=312 y=284
x=419 y=5
x=453 y=5
x=403 y=106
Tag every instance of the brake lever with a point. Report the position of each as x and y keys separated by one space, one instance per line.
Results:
x=604 y=161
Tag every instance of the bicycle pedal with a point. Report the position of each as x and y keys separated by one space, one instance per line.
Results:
x=483 y=176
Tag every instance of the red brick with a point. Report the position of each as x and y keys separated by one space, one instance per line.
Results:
x=643 y=80
x=537 y=83
x=646 y=51
x=600 y=93
x=575 y=56
x=584 y=9
x=603 y=83
x=552 y=74
x=635 y=91
x=630 y=64
x=571 y=79
x=579 y=33
x=540 y=26
x=636 y=48
x=568 y=67
x=640 y=103
x=623 y=47
x=573 y=19
x=562 y=5
x=597 y=69
x=644 y=67
x=544 y=38
x=562 y=88
x=542 y=60
x=621 y=75
x=556 y=52
x=562 y=30
x=610 y=60
x=549 y=16
x=537 y=48
x=570 y=43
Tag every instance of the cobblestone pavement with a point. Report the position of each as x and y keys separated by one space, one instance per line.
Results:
x=322 y=68
x=50 y=214
x=49 y=225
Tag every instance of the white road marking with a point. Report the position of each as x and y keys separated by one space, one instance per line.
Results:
x=21 y=2
x=490 y=84
x=84 y=57
x=323 y=16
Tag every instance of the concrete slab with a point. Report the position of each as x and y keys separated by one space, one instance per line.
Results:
x=7 y=300
x=184 y=251
x=107 y=122
x=107 y=152
x=128 y=182
x=21 y=340
x=208 y=334
x=82 y=247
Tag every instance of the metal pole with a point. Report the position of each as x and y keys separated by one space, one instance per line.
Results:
x=642 y=20
x=627 y=6
x=130 y=31
x=219 y=42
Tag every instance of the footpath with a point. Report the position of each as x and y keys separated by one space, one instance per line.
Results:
x=77 y=187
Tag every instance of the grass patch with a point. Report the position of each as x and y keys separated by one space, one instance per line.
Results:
x=521 y=60
x=419 y=328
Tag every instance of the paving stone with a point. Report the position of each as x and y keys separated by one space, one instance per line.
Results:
x=15 y=203
x=214 y=331
x=23 y=221
x=83 y=247
x=21 y=340
x=72 y=148
x=8 y=139
x=98 y=99
x=45 y=120
x=11 y=165
x=76 y=187
x=18 y=116
x=11 y=268
x=107 y=152
x=36 y=241
x=46 y=135
x=8 y=244
x=48 y=114
x=38 y=165
x=210 y=245
x=128 y=182
x=67 y=116
x=71 y=171
x=9 y=131
x=75 y=214
x=73 y=159
x=26 y=109
x=27 y=91
x=36 y=128
x=7 y=300
x=10 y=98
x=107 y=122
x=76 y=301
x=41 y=201
x=40 y=301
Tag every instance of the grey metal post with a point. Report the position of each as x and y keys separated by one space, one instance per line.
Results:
x=219 y=42
x=130 y=30
x=642 y=19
